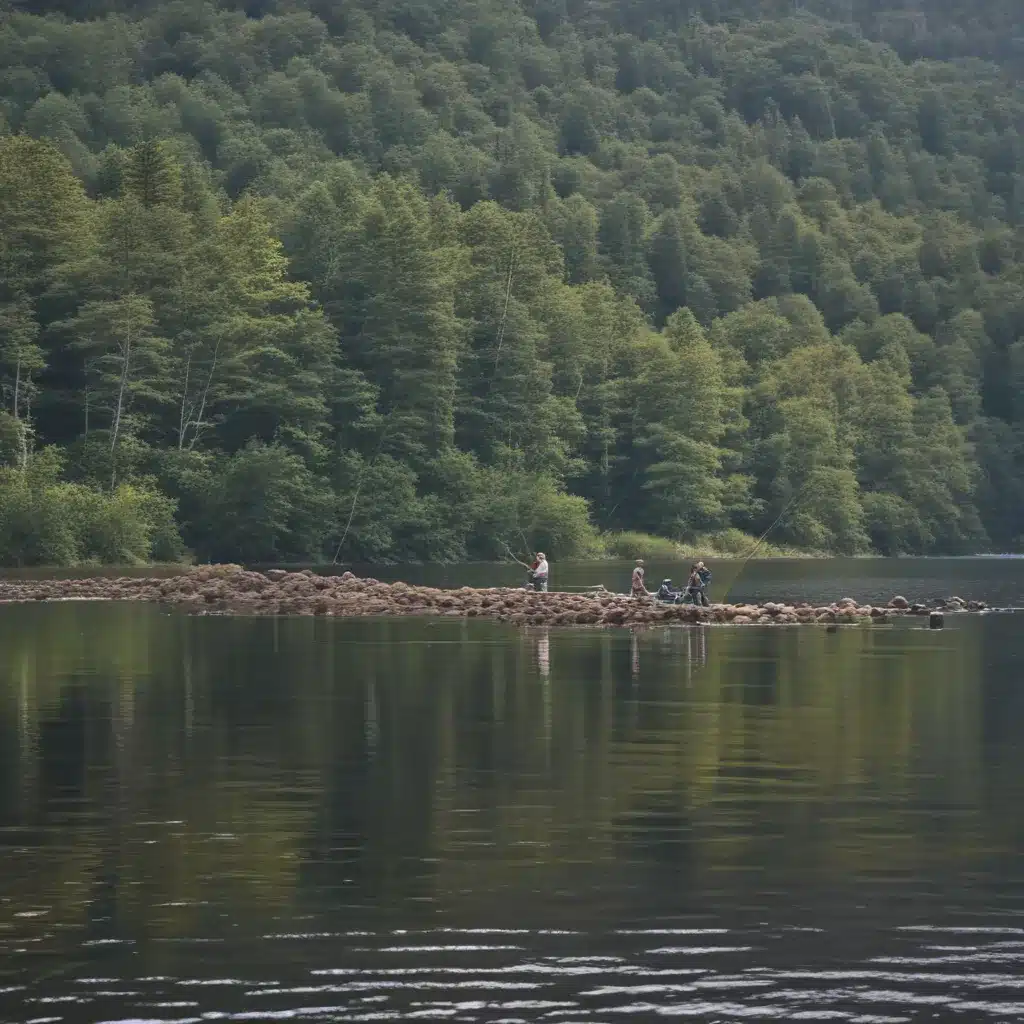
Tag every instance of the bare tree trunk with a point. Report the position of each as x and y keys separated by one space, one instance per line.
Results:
x=23 y=445
x=206 y=391
x=22 y=393
x=183 y=418
x=126 y=350
x=26 y=428
x=22 y=438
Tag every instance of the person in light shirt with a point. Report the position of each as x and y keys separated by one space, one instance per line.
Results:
x=636 y=586
x=539 y=573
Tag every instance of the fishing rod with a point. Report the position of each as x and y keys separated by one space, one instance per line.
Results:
x=760 y=540
x=512 y=556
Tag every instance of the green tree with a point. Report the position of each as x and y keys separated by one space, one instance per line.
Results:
x=261 y=504
x=399 y=325
x=151 y=175
x=125 y=368
x=415 y=248
x=506 y=409
x=669 y=454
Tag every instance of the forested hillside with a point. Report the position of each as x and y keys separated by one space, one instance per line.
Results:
x=430 y=280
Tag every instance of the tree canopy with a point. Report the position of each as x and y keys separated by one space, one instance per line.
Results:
x=409 y=280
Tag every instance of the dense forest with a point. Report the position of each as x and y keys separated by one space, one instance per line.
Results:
x=296 y=279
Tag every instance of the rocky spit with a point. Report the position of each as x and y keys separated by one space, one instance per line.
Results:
x=232 y=590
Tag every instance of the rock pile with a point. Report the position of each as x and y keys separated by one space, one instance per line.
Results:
x=232 y=590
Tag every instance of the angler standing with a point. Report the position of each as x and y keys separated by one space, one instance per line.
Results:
x=539 y=573
x=700 y=575
x=636 y=585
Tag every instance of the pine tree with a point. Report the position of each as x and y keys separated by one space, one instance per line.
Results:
x=506 y=407
x=400 y=327
x=44 y=225
x=259 y=361
x=151 y=175
x=670 y=448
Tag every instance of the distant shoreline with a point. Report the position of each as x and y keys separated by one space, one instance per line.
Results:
x=667 y=550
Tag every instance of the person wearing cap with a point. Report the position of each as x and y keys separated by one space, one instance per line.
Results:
x=539 y=573
x=636 y=586
x=666 y=593
x=705 y=578
x=699 y=576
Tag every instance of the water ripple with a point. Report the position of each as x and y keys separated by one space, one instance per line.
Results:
x=567 y=979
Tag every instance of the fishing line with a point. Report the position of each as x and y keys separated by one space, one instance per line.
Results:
x=760 y=540
x=359 y=484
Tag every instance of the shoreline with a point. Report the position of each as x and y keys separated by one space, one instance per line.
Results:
x=232 y=590
x=166 y=570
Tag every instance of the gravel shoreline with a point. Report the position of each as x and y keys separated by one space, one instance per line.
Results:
x=231 y=590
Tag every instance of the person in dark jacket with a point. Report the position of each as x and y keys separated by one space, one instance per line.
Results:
x=666 y=593
x=695 y=584
x=705 y=579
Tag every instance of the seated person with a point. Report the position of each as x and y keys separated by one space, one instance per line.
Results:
x=666 y=593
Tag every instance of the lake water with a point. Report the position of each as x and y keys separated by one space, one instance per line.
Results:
x=302 y=819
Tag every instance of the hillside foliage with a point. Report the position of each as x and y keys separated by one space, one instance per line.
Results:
x=410 y=280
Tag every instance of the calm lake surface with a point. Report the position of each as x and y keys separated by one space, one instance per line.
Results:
x=301 y=819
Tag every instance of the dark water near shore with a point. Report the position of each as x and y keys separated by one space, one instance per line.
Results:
x=302 y=819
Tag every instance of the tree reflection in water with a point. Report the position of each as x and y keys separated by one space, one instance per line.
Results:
x=162 y=770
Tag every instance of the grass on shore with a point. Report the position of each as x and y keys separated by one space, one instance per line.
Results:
x=731 y=543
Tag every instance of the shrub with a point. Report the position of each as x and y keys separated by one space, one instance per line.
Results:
x=45 y=522
x=735 y=542
x=129 y=527
x=630 y=544
x=35 y=523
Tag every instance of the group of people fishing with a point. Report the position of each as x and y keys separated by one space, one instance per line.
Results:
x=695 y=591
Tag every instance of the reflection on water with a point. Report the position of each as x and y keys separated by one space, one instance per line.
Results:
x=258 y=819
